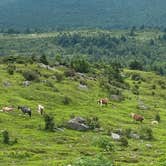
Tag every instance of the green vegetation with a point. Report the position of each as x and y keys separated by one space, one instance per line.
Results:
x=46 y=139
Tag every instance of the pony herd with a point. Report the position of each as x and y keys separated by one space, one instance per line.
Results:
x=40 y=110
x=24 y=109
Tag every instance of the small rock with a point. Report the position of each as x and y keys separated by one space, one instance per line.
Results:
x=149 y=146
x=134 y=136
x=82 y=86
x=26 y=83
x=115 y=136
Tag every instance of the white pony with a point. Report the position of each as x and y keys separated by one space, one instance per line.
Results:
x=40 y=109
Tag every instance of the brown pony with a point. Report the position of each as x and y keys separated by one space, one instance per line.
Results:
x=102 y=101
x=137 y=117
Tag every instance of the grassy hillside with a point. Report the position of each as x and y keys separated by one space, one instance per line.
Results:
x=39 y=147
x=48 y=14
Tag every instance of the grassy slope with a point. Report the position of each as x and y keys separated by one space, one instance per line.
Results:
x=37 y=147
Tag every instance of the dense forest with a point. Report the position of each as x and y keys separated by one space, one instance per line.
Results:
x=48 y=14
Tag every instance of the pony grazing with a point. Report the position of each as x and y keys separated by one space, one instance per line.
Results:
x=25 y=110
x=40 y=109
x=7 y=109
x=103 y=101
x=137 y=117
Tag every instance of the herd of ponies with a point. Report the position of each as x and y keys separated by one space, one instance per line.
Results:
x=102 y=101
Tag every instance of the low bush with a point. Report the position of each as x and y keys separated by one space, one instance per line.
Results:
x=11 y=69
x=66 y=100
x=104 y=142
x=93 y=122
x=5 y=137
x=157 y=117
x=146 y=133
x=49 y=122
x=93 y=161
x=31 y=76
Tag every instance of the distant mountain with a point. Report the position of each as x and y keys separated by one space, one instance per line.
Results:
x=82 y=13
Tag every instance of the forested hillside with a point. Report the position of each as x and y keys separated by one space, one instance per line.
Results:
x=49 y=14
x=136 y=49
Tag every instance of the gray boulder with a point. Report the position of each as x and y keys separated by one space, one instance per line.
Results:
x=77 y=123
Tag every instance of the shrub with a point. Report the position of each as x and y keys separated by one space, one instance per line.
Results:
x=127 y=132
x=5 y=137
x=93 y=161
x=11 y=69
x=157 y=117
x=83 y=82
x=69 y=73
x=146 y=133
x=136 y=77
x=104 y=142
x=49 y=122
x=31 y=75
x=93 y=122
x=59 y=76
x=124 y=141
x=66 y=100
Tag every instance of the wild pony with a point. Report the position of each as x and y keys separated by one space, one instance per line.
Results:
x=8 y=109
x=103 y=101
x=137 y=117
x=25 y=110
x=40 y=109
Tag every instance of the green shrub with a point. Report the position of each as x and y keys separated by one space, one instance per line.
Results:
x=146 y=133
x=31 y=76
x=11 y=69
x=49 y=122
x=104 y=142
x=93 y=122
x=59 y=76
x=157 y=117
x=69 y=73
x=93 y=161
x=127 y=132
x=66 y=100
x=5 y=137
x=124 y=141
x=136 y=77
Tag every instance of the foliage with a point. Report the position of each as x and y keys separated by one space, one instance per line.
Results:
x=146 y=133
x=66 y=100
x=93 y=161
x=5 y=136
x=104 y=142
x=31 y=75
x=11 y=69
x=157 y=117
x=93 y=122
x=49 y=122
x=80 y=65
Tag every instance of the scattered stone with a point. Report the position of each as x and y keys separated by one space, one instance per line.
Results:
x=149 y=146
x=77 y=123
x=116 y=98
x=26 y=83
x=134 y=136
x=141 y=105
x=115 y=136
x=82 y=86
x=6 y=83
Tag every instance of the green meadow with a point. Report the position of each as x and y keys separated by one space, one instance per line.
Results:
x=36 y=146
